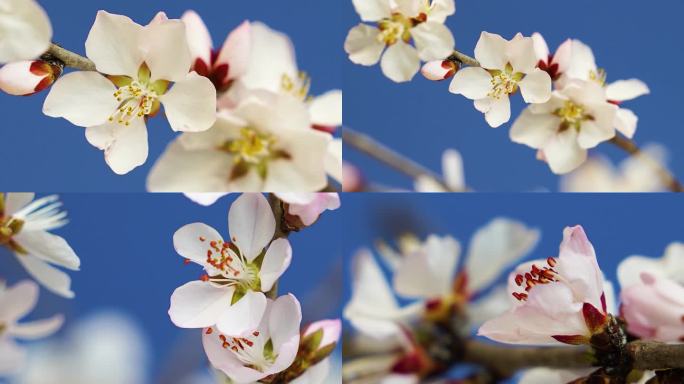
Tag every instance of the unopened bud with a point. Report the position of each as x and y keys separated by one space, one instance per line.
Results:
x=25 y=78
x=439 y=69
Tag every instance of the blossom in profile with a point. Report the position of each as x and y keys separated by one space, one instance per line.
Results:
x=238 y=271
x=24 y=78
x=454 y=175
x=25 y=30
x=24 y=229
x=507 y=66
x=140 y=69
x=16 y=302
x=405 y=33
x=309 y=206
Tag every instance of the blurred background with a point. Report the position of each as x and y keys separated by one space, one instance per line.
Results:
x=617 y=225
x=421 y=119
x=129 y=270
x=51 y=154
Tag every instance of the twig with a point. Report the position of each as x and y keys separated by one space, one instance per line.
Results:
x=367 y=145
x=70 y=59
x=464 y=59
x=279 y=215
x=629 y=146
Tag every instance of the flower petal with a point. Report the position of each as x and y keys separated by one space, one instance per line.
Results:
x=333 y=160
x=490 y=51
x=521 y=54
x=236 y=50
x=18 y=79
x=84 y=98
x=272 y=56
x=192 y=241
x=541 y=49
x=626 y=122
x=277 y=259
x=473 y=82
x=534 y=130
x=563 y=153
x=499 y=112
x=125 y=147
x=326 y=110
x=27 y=34
x=251 y=224
x=400 y=62
x=243 y=316
x=536 y=87
x=363 y=46
x=226 y=361
x=15 y=201
x=50 y=277
x=190 y=105
x=13 y=356
x=199 y=304
x=17 y=301
x=49 y=247
x=372 y=10
x=624 y=90
x=37 y=329
x=433 y=41
x=165 y=46
x=440 y=10
x=113 y=45
x=284 y=320
x=199 y=39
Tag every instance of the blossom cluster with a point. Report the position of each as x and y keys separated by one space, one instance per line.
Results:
x=246 y=118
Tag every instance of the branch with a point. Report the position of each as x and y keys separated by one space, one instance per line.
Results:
x=629 y=146
x=464 y=59
x=367 y=145
x=70 y=59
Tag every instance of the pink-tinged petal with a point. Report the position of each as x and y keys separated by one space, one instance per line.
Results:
x=433 y=41
x=536 y=87
x=490 y=51
x=125 y=147
x=50 y=277
x=578 y=266
x=521 y=54
x=13 y=357
x=624 y=90
x=372 y=10
x=541 y=49
x=562 y=152
x=236 y=50
x=28 y=32
x=626 y=122
x=473 y=82
x=199 y=39
x=19 y=80
x=326 y=110
x=113 y=44
x=400 y=62
x=243 y=316
x=363 y=46
x=193 y=240
x=166 y=50
x=534 y=130
x=332 y=330
x=18 y=301
x=284 y=320
x=83 y=98
x=438 y=70
x=308 y=206
x=49 y=247
x=199 y=304
x=15 y=201
x=190 y=105
x=225 y=360
x=159 y=18
x=277 y=259
x=251 y=224
x=499 y=112
x=37 y=329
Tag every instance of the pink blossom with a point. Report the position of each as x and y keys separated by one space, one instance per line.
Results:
x=308 y=206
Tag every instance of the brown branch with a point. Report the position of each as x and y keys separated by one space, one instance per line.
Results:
x=629 y=146
x=464 y=59
x=70 y=59
x=367 y=145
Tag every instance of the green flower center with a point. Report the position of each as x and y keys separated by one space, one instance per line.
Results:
x=252 y=150
x=137 y=97
x=504 y=82
x=572 y=115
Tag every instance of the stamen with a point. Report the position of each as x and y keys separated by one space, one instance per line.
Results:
x=536 y=275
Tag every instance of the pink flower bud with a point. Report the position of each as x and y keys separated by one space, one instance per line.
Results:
x=352 y=179
x=439 y=69
x=25 y=78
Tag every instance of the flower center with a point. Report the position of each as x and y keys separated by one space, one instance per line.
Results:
x=137 y=97
x=504 y=82
x=572 y=115
x=9 y=227
x=250 y=350
x=299 y=87
x=396 y=27
x=252 y=150
x=600 y=76
x=535 y=276
x=234 y=270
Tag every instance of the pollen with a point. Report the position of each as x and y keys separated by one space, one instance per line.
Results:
x=572 y=115
x=298 y=87
x=395 y=28
x=504 y=82
x=535 y=276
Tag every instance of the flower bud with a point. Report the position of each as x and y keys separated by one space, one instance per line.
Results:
x=25 y=78
x=438 y=70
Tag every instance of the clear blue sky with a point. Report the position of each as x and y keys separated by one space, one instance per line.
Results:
x=617 y=225
x=44 y=154
x=129 y=264
x=421 y=119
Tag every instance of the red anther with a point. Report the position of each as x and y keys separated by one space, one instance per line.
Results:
x=519 y=279
x=222 y=337
x=209 y=331
x=204 y=277
x=239 y=344
x=209 y=253
x=236 y=273
x=186 y=261
x=234 y=348
x=520 y=296
x=213 y=243
x=249 y=343
x=225 y=345
x=202 y=238
x=551 y=262
x=535 y=270
x=255 y=333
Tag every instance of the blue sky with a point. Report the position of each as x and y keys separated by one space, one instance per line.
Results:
x=44 y=154
x=129 y=264
x=421 y=119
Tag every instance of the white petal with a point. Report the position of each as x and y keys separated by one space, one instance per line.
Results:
x=84 y=98
x=452 y=168
x=199 y=39
x=17 y=301
x=13 y=357
x=534 y=130
x=521 y=54
x=372 y=10
x=363 y=46
x=271 y=56
x=472 y=82
x=429 y=271
x=499 y=112
x=112 y=45
x=284 y=320
x=583 y=62
x=315 y=374
x=166 y=50
x=190 y=105
x=553 y=376
x=125 y=147
x=624 y=90
x=307 y=168
x=198 y=304
x=27 y=33
x=251 y=224
x=536 y=87
x=541 y=49
x=626 y=122
x=333 y=160
x=236 y=50
x=441 y=9
x=277 y=259
x=192 y=241
x=326 y=110
x=17 y=78
x=433 y=41
x=52 y=278
x=49 y=247
x=593 y=133
x=492 y=305
x=400 y=62
x=227 y=362
x=205 y=198
x=490 y=51
x=563 y=153
x=243 y=316
x=37 y=329
x=15 y=201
